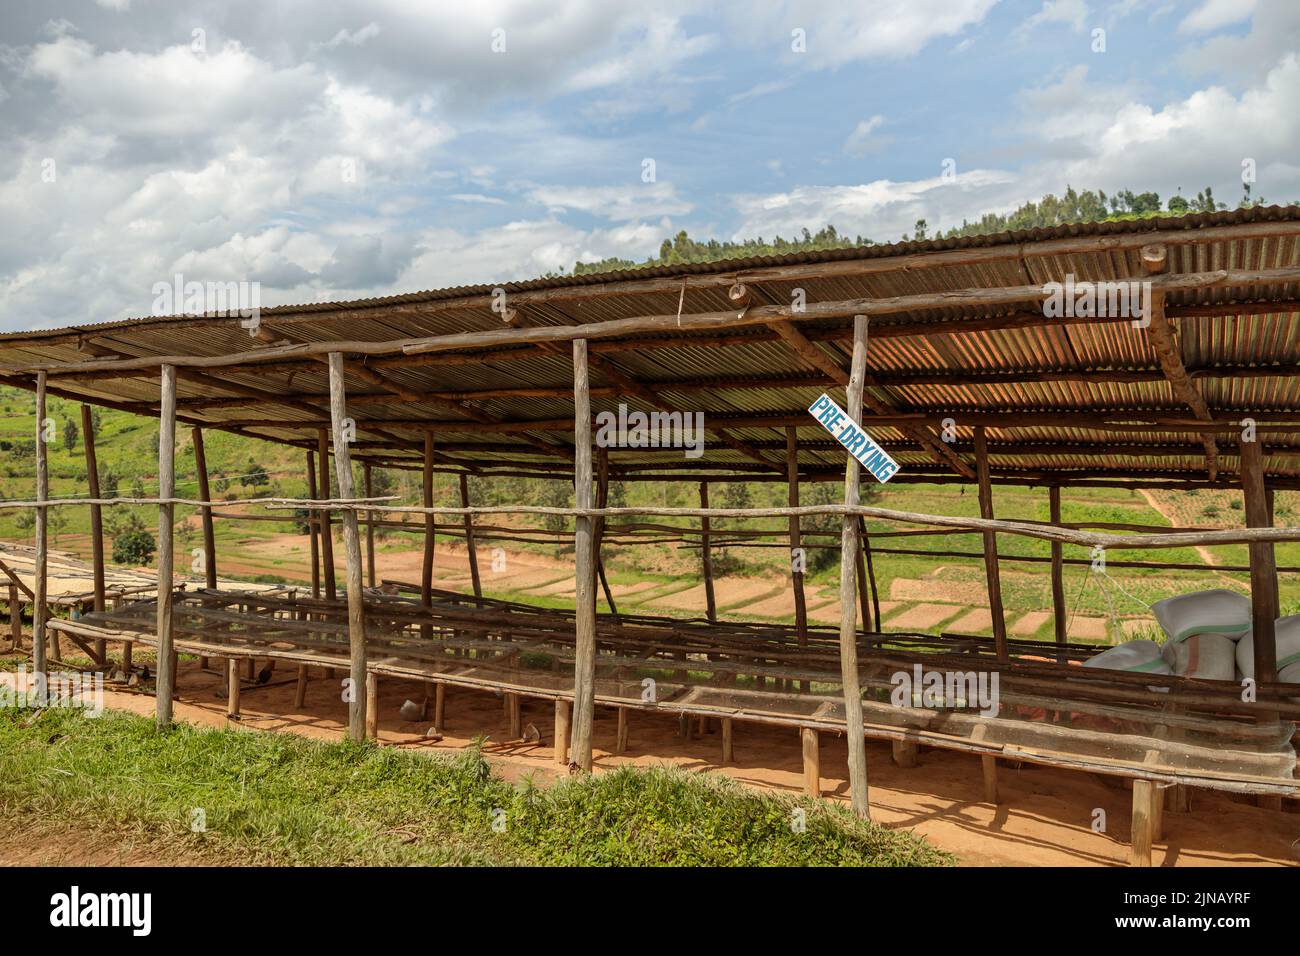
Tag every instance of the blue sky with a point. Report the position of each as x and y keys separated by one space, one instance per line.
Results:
x=343 y=148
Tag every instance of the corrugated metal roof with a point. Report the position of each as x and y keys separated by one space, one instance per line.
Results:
x=1216 y=347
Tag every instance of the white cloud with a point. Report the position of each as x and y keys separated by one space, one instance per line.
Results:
x=861 y=141
x=1071 y=13
x=618 y=203
x=1212 y=15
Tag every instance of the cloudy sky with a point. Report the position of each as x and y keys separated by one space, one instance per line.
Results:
x=333 y=149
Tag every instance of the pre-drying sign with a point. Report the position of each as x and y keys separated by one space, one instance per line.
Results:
x=855 y=441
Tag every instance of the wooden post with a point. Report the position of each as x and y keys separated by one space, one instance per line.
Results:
x=370 y=526
x=430 y=531
x=620 y=745
x=1142 y=833
x=855 y=737
x=1263 y=565
x=232 y=688
x=96 y=521
x=860 y=569
x=15 y=617
x=166 y=684
x=372 y=705
x=352 y=544
x=706 y=555
x=871 y=575
x=812 y=762
x=990 y=767
x=205 y=494
x=904 y=752
x=562 y=731
x=313 y=526
x=470 y=546
x=797 y=562
x=209 y=538
x=1058 y=565
x=728 y=741
x=323 y=517
x=439 y=707
x=990 y=544
x=584 y=668
x=602 y=500
x=39 y=610
x=515 y=715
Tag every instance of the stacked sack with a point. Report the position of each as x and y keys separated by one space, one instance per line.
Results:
x=1287 y=630
x=1205 y=631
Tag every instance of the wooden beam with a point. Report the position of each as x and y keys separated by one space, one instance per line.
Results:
x=706 y=555
x=430 y=529
x=1263 y=564
x=815 y=357
x=165 y=687
x=326 y=532
x=602 y=500
x=96 y=522
x=1160 y=335
x=990 y=544
x=1058 y=578
x=470 y=547
x=796 y=543
x=352 y=547
x=848 y=631
x=812 y=761
x=370 y=526
x=313 y=525
x=40 y=608
x=584 y=670
x=1142 y=833
x=205 y=493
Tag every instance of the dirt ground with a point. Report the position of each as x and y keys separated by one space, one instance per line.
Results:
x=1045 y=817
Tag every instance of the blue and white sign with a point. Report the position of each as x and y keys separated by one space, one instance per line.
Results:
x=855 y=441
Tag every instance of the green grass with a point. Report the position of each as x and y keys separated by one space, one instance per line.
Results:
x=281 y=799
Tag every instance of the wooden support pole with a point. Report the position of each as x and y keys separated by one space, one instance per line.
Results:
x=313 y=526
x=860 y=570
x=515 y=716
x=430 y=529
x=370 y=525
x=904 y=752
x=470 y=547
x=205 y=514
x=584 y=665
x=96 y=521
x=871 y=576
x=439 y=707
x=1142 y=834
x=205 y=494
x=728 y=741
x=990 y=544
x=706 y=556
x=1263 y=564
x=372 y=705
x=812 y=761
x=602 y=500
x=232 y=688
x=41 y=587
x=357 y=709
x=990 y=767
x=854 y=736
x=1058 y=579
x=15 y=617
x=620 y=745
x=326 y=532
x=165 y=686
x=797 y=557
x=562 y=731
x=300 y=688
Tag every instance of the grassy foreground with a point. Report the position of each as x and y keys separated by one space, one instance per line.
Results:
x=281 y=799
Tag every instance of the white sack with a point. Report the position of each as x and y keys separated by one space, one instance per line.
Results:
x=1217 y=611
x=1287 y=630
x=1207 y=656
x=1138 y=656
